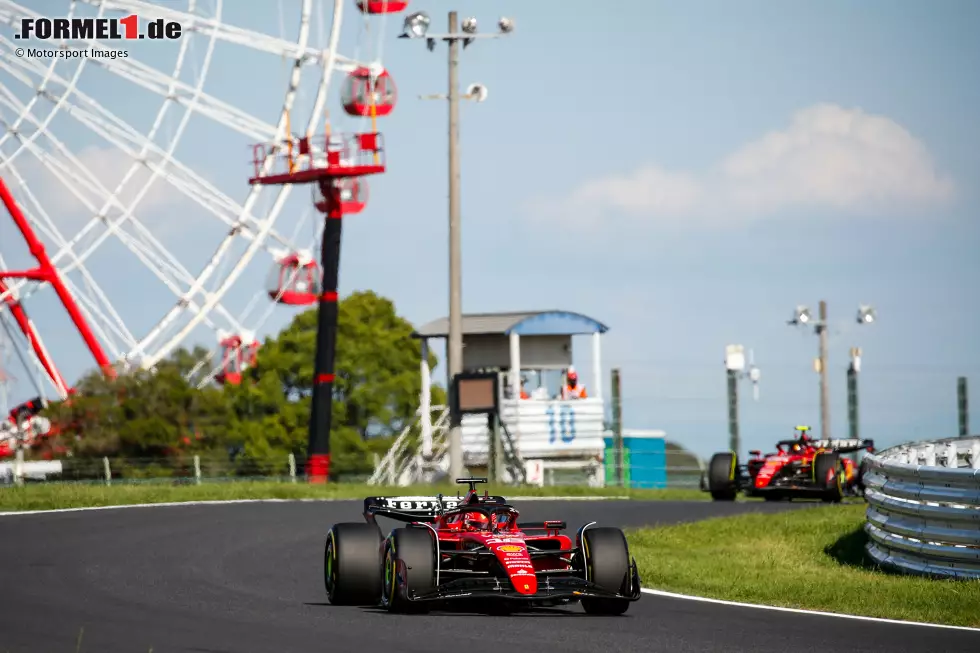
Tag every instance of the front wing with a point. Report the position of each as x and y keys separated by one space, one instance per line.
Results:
x=802 y=490
x=550 y=589
x=788 y=489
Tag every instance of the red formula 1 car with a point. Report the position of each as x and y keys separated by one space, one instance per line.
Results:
x=800 y=468
x=473 y=547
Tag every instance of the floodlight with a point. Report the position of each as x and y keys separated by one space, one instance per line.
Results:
x=735 y=358
x=469 y=25
x=506 y=25
x=477 y=92
x=416 y=25
x=802 y=315
x=866 y=315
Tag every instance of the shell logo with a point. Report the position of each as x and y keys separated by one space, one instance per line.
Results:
x=510 y=548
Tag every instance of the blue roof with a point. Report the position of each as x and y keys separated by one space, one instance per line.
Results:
x=526 y=323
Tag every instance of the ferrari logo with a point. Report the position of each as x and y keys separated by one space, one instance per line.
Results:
x=526 y=586
x=510 y=548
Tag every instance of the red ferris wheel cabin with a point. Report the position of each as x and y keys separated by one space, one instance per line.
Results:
x=295 y=280
x=369 y=93
x=381 y=6
x=238 y=353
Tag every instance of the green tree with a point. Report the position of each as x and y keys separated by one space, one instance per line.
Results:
x=376 y=391
x=141 y=414
x=160 y=414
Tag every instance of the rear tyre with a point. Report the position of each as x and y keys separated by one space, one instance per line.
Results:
x=352 y=564
x=721 y=476
x=828 y=473
x=860 y=477
x=606 y=559
x=408 y=568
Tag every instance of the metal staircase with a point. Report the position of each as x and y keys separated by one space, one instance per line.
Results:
x=514 y=466
x=404 y=463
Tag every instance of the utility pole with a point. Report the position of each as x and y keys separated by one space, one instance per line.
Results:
x=824 y=381
x=852 y=394
x=416 y=26
x=963 y=406
x=617 y=416
x=866 y=315
x=454 y=347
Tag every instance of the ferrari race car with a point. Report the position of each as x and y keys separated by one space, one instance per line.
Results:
x=799 y=468
x=459 y=548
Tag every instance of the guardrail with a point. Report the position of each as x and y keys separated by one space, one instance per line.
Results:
x=923 y=513
x=184 y=470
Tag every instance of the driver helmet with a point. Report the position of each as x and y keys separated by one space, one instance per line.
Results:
x=476 y=521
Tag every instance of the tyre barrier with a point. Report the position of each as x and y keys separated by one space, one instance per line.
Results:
x=923 y=514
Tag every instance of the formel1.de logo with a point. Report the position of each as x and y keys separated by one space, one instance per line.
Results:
x=83 y=29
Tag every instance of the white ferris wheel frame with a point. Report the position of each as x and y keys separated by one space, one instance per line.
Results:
x=192 y=292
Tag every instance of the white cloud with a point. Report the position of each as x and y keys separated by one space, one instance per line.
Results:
x=53 y=188
x=828 y=157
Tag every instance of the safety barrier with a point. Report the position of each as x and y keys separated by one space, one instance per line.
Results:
x=923 y=514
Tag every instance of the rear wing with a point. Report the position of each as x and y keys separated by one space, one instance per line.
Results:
x=845 y=445
x=424 y=508
x=409 y=508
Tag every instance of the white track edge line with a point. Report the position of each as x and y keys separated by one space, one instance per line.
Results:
x=818 y=613
x=213 y=502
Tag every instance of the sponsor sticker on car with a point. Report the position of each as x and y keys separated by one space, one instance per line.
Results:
x=510 y=548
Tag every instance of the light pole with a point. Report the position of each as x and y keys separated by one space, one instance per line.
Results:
x=417 y=27
x=735 y=370
x=866 y=315
x=802 y=316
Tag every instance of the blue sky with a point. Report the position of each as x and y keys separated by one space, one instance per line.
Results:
x=687 y=173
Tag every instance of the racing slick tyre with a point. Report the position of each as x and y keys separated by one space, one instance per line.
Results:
x=606 y=562
x=828 y=473
x=352 y=564
x=862 y=470
x=408 y=567
x=721 y=476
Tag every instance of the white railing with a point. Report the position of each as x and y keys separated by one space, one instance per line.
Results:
x=402 y=464
x=923 y=513
x=541 y=429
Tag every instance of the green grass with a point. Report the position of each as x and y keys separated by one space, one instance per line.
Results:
x=810 y=559
x=43 y=496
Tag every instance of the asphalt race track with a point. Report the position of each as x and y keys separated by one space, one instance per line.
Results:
x=248 y=578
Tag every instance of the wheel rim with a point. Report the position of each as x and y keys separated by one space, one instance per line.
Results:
x=330 y=568
x=388 y=594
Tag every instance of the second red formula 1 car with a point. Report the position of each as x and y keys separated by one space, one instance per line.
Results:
x=473 y=548
x=799 y=468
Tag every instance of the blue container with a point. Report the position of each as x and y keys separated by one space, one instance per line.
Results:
x=646 y=460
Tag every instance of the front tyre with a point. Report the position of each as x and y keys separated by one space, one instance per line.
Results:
x=721 y=476
x=408 y=568
x=352 y=564
x=606 y=559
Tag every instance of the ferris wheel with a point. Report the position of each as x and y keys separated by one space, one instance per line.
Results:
x=123 y=168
